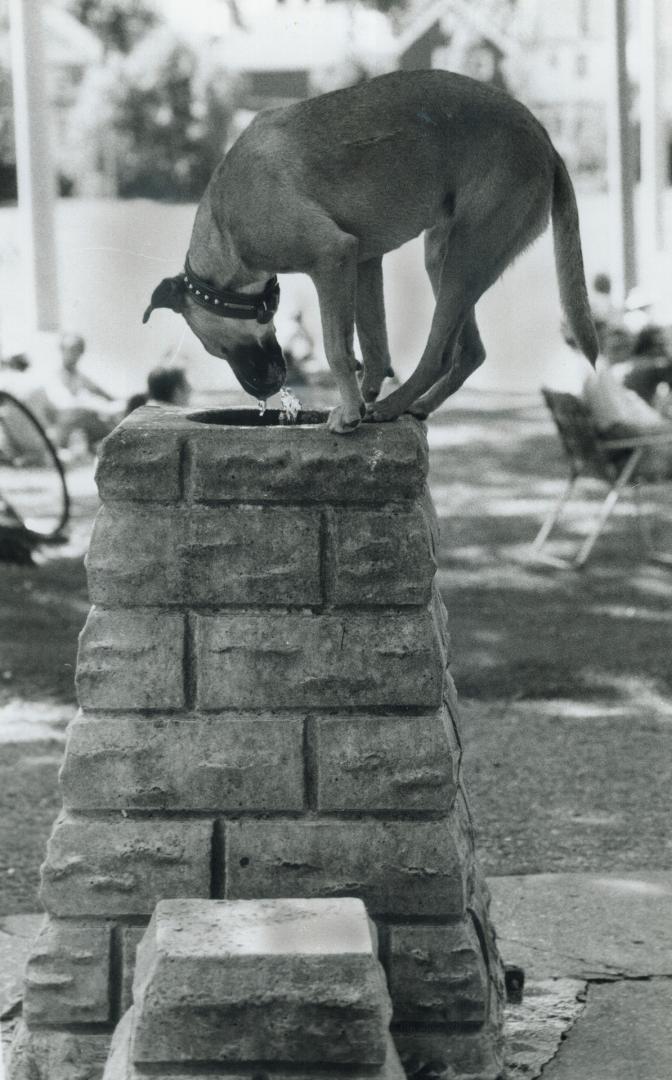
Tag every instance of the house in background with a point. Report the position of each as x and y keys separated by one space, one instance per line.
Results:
x=568 y=72
x=458 y=36
x=290 y=49
x=554 y=57
x=568 y=76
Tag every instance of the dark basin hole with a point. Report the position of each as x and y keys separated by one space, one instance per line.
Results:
x=253 y=418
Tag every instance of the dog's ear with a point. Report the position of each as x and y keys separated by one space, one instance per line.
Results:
x=169 y=294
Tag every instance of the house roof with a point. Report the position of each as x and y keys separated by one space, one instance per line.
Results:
x=424 y=14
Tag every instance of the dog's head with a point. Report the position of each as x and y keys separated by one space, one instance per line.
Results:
x=237 y=327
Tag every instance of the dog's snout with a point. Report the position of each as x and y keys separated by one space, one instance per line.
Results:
x=260 y=367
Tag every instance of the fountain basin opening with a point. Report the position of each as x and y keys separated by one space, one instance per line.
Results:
x=253 y=418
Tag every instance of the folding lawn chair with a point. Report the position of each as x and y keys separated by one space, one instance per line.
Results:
x=613 y=461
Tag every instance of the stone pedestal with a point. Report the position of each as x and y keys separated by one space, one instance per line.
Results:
x=223 y=986
x=266 y=712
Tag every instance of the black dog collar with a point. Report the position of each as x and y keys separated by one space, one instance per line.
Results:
x=233 y=305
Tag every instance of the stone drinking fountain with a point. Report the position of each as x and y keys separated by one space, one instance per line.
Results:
x=266 y=712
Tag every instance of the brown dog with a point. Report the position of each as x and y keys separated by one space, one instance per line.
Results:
x=328 y=185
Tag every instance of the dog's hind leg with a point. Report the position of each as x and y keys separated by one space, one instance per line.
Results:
x=482 y=245
x=469 y=352
x=469 y=355
x=455 y=298
x=335 y=277
x=371 y=328
x=436 y=242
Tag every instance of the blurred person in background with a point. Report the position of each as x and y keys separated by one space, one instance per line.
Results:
x=638 y=349
x=165 y=386
x=72 y=347
x=619 y=412
x=76 y=412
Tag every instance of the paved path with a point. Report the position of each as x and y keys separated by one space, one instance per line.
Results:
x=586 y=926
x=624 y=1033
x=597 y=954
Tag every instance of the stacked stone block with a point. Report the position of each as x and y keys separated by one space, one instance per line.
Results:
x=266 y=711
x=265 y=985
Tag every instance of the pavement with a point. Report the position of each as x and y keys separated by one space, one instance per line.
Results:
x=597 y=955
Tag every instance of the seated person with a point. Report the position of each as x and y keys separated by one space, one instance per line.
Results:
x=620 y=413
x=165 y=386
x=638 y=348
x=77 y=411
x=648 y=369
x=72 y=348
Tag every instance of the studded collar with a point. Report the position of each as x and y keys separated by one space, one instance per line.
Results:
x=233 y=305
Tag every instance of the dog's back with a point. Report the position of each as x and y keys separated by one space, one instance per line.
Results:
x=385 y=158
x=413 y=151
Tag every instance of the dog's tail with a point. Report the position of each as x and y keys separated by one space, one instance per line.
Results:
x=569 y=263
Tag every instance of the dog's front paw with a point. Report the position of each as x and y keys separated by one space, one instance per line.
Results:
x=418 y=410
x=342 y=422
x=378 y=413
x=370 y=385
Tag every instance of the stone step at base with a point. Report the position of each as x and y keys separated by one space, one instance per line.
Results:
x=227 y=984
x=121 y=1067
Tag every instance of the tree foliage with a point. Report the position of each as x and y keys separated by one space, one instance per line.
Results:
x=120 y=24
x=156 y=119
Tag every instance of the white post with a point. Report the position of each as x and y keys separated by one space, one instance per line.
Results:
x=35 y=174
x=653 y=143
x=620 y=160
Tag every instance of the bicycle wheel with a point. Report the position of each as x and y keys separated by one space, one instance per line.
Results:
x=33 y=491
